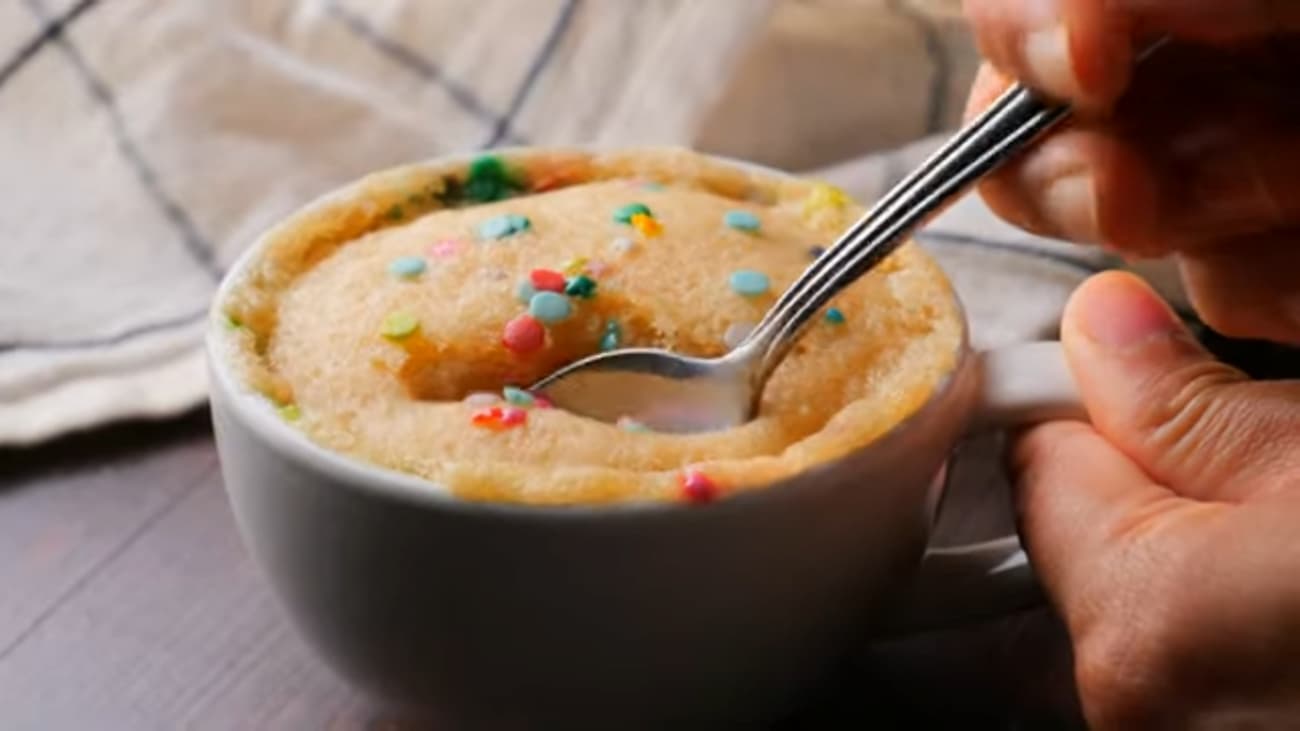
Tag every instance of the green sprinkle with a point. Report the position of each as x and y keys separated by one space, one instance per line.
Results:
x=233 y=323
x=290 y=412
x=517 y=396
x=834 y=316
x=612 y=338
x=581 y=286
x=489 y=180
x=749 y=283
x=499 y=227
x=652 y=186
x=741 y=221
x=407 y=267
x=550 y=307
x=398 y=325
x=625 y=213
x=395 y=213
x=632 y=425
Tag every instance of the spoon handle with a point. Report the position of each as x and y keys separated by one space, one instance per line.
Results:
x=1006 y=127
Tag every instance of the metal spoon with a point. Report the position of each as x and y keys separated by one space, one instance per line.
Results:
x=668 y=392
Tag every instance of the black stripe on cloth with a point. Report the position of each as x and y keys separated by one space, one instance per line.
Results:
x=199 y=249
x=29 y=49
x=416 y=63
x=941 y=75
x=117 y=338
x=535 y=68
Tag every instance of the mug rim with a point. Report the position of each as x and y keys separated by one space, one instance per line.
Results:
x=254 y=411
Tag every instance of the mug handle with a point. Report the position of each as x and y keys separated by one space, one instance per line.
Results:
x=1018 y=385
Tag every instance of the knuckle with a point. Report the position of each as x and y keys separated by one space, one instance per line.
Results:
x=1187 y=413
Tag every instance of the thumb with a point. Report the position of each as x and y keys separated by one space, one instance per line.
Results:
x=1188 y=421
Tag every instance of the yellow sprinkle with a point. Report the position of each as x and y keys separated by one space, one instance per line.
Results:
x=575 y=266
x=398 y=325
x=647 y=225
x=823 y=196
x=290 y=412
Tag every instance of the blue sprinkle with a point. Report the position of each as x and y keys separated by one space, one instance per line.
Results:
x=516 y=396
x=816 y=251
x=741 y=221
x=549 y=307
x=524 y=291
x=612 y=338
x=407 y=267
x=749 y=283
x=834 y=316
x=499 y=227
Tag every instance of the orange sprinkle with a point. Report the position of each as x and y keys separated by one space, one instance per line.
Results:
x=647 y=225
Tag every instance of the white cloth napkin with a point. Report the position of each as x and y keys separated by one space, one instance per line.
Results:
x=143 y=143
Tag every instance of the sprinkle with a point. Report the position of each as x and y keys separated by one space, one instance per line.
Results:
x=407 y=267
x=749 y=283
x=523 y=335
x=499 y=227
x=652 y=186
x=482 y=398
x=834 y=316
x=398 y=325
x=598 y=268
x=741 y=221
x=546 y=280
x=648 y=226
x=233 y=323
x=816 y=252
x=612 y=338
x=581 y=286
x=517 y=396
x=488 y=180
x=622 y=245
x=627 y=423
x=524 y=291
x=541 y=402
x=513 y=416
x=575 y=266
x=395 y=213
x=624 y=214
x=499 y=418
x=824 y=196
x=290 y=412
x=736 y=333
x=549 y=307
x=446 y=248
x=696 y=486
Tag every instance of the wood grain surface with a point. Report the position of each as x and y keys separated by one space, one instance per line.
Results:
x=127 y=602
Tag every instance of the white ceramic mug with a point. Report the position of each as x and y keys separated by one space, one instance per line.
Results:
x=628 y=616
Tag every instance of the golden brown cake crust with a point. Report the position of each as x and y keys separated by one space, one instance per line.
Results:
x=370 y=317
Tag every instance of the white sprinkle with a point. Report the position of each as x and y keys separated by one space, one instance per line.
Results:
x=622 y=245
x=737 y=333
x=482 y=398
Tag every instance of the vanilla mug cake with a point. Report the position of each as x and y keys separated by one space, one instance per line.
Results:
x=449 y=539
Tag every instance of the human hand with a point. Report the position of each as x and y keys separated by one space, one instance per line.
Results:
x=1195 y=154
x=1167 y=533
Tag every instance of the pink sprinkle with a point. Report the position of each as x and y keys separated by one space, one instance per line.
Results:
x=513 y=416
x=482 y=398
x=446 y=248
x=696 y=486
x=597 y=268
x=523 y=335
x=541 y=402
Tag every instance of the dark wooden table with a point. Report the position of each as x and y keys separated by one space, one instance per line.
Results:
x=127 y=602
